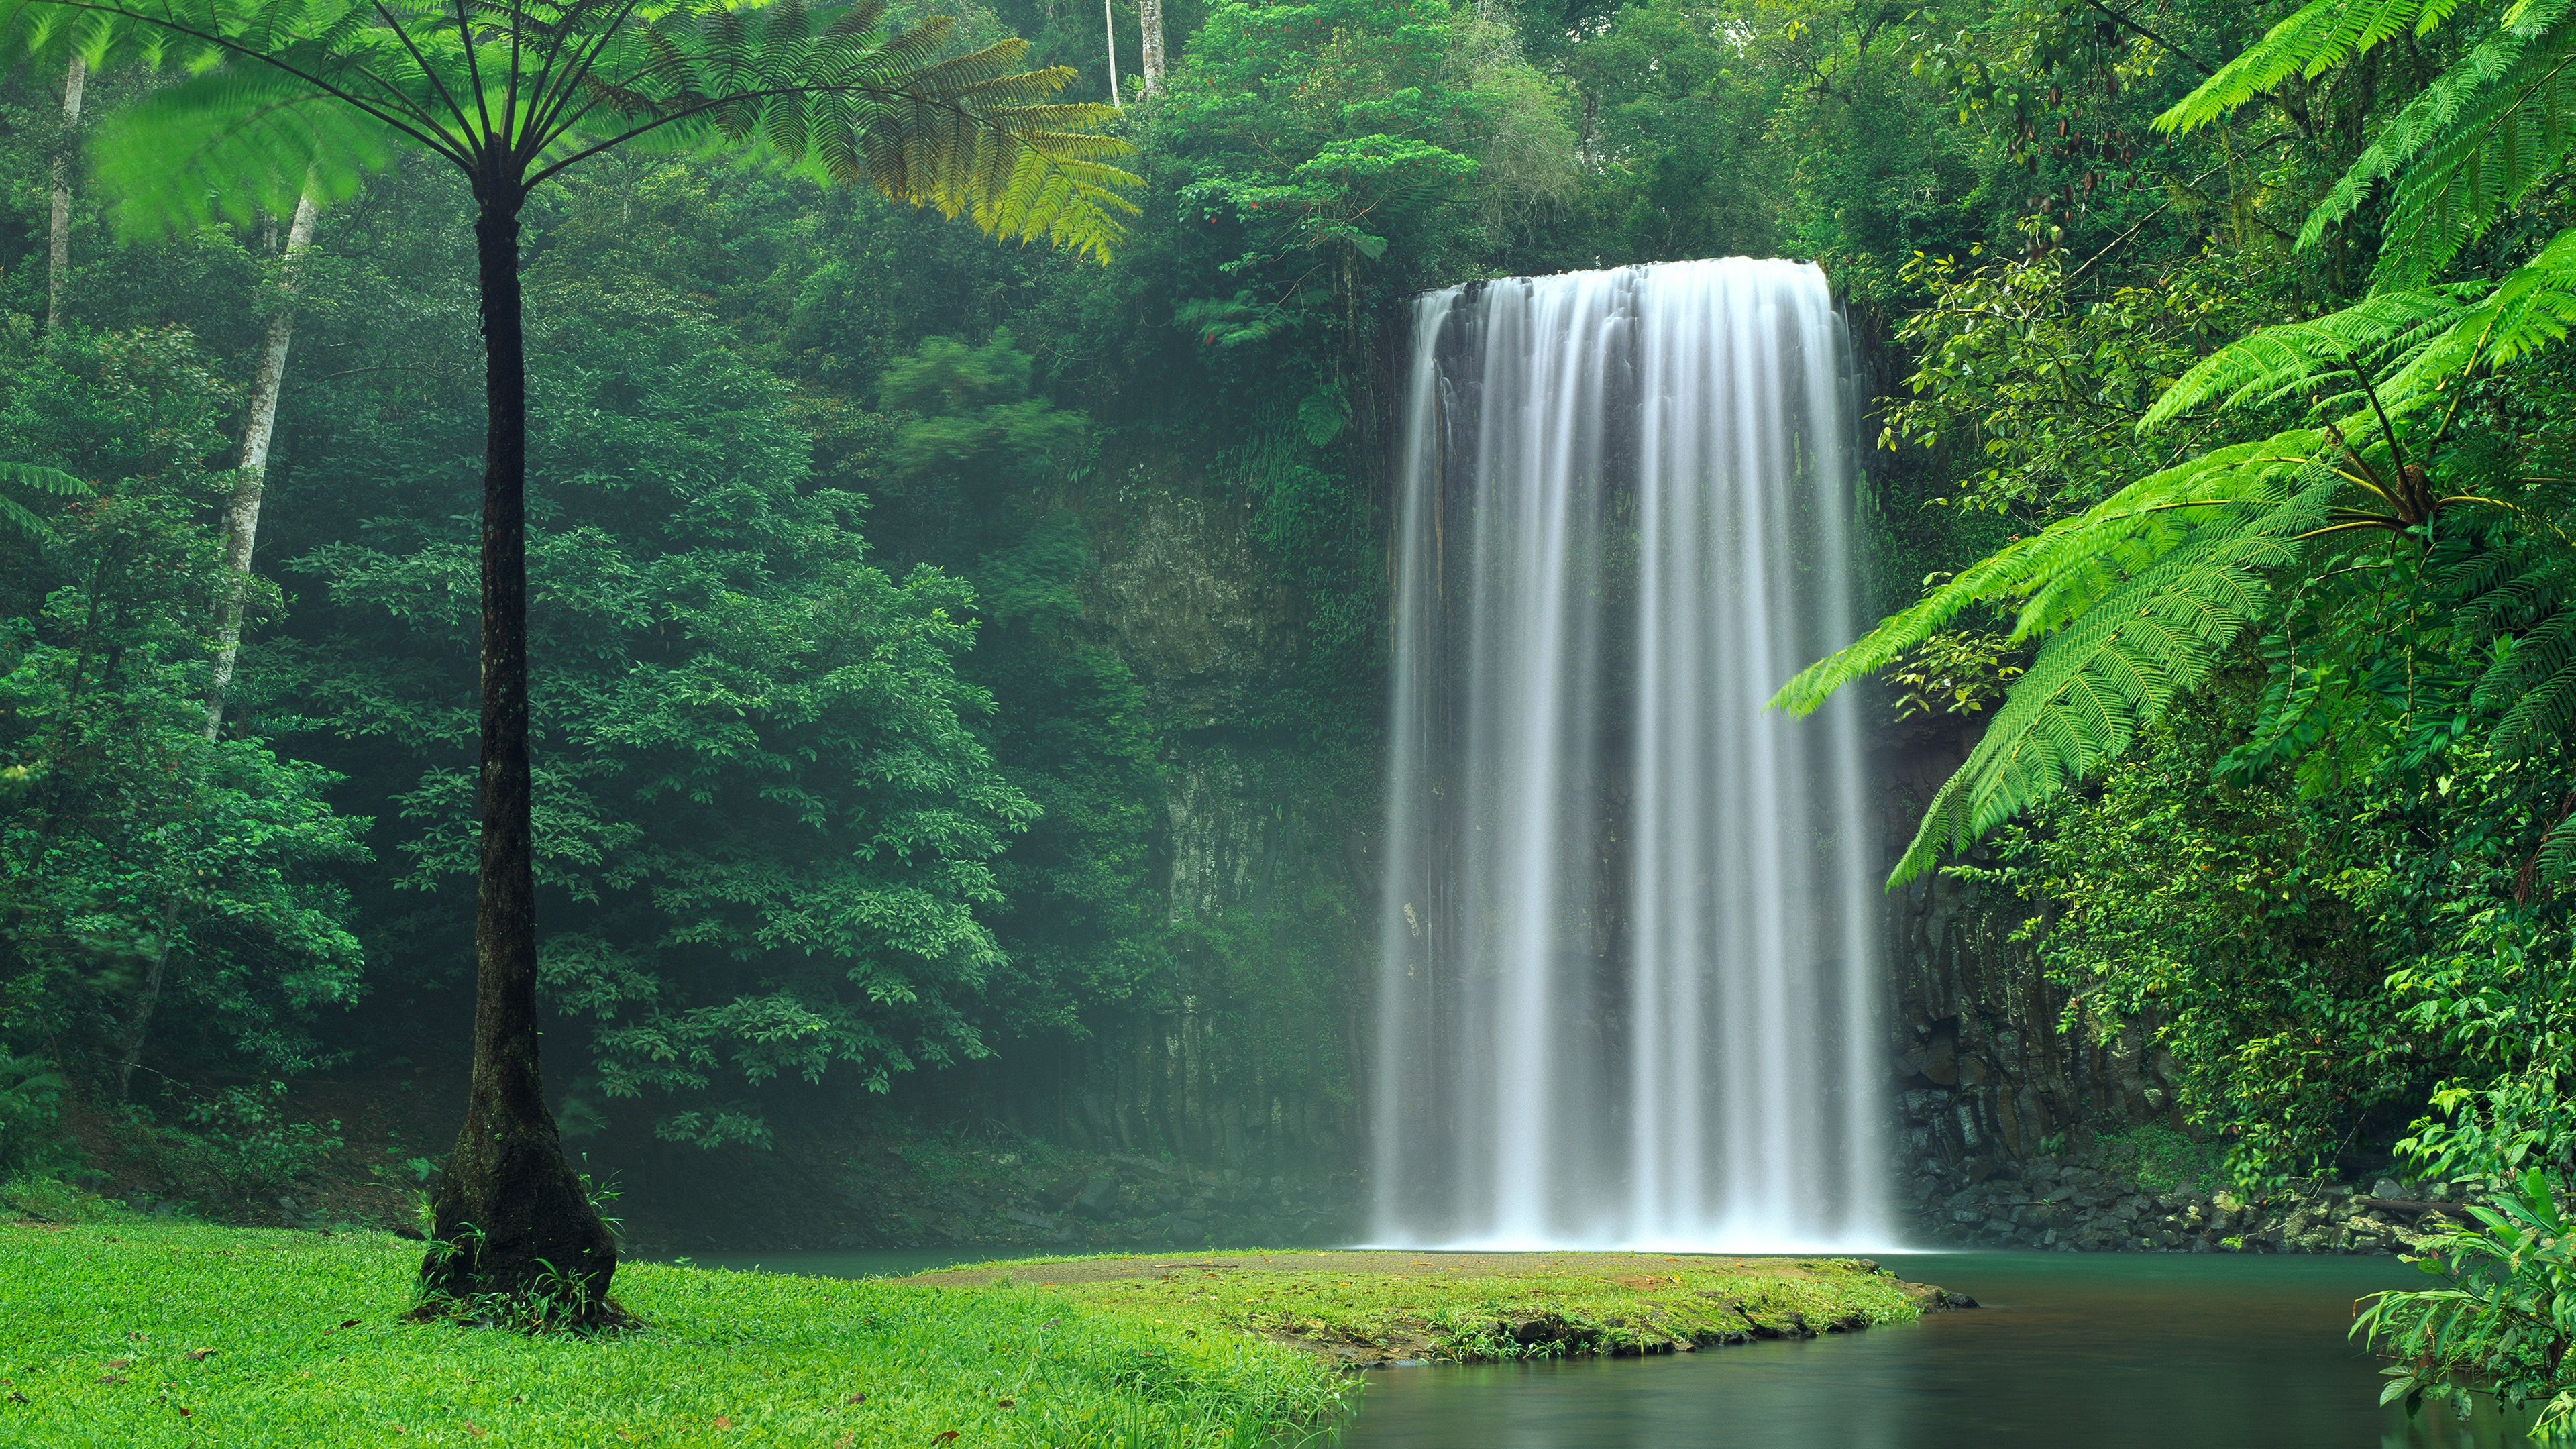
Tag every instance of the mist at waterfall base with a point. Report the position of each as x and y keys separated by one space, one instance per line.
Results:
x=1628 y=953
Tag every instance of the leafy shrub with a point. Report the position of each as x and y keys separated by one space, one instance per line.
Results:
x=244 y=1144
x=29 y=1092
x=2504 y=1319
x=2162 y=1159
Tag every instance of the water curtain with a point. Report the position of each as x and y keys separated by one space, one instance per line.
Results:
x=1629 y=953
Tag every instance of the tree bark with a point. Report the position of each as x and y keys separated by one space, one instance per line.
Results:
x=148 y=1001
x=1109 y=27
x=58 y=242
x=250 y=479
x=511 y=1216
x=1149 y=19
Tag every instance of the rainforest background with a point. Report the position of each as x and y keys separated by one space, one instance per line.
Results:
x=959 y=668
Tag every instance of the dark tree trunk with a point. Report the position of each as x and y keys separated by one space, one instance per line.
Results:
x=511 y=1214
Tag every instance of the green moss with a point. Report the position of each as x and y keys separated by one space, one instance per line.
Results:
x=1644 y=1305
x=98 y=1325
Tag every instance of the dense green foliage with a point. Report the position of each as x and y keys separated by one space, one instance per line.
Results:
x=2287 y=770
x=2230 y=427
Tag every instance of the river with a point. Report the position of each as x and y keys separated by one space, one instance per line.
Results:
x=2091 y=1351
x=2098 y=1350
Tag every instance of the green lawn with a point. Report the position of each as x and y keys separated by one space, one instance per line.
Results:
x=101 y=1328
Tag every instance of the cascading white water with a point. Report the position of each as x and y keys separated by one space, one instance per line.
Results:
x=1629 y=952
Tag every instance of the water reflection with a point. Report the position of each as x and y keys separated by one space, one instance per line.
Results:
x=2104 y=1351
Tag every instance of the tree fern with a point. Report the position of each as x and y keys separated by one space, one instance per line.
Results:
x=332 y=88
x=2475 y=142
x=2314 y=39
x=2472 y=143
x=2336 y=350
x=2532 y=307
x=2067 y=569
x=2142 y=595
x=34 y=478
x=2123 y=663
x=287 y=95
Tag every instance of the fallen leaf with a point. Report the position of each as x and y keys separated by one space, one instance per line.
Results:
x=198 y=1355
x=1005 y=1403
x=185 y=1411
x=944 y=1438
x=477 y=1430
x=723 y=1423
x=110 y=1379
x=118 y=1363
x=348 y=1323
x=846 y=1440
x=858 y=1398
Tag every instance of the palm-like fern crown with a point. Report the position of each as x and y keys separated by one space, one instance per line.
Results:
x=2138 y=598
x=286 y=95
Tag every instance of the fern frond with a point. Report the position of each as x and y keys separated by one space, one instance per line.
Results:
x=327 y=89
x=2467 y=167
x=2534 y=306
x=36 y=478
x=2278 y=362
x=2062 y=572
x=169 y=170
x=2471 y=142
x=2113 y=672
x=2314 y=39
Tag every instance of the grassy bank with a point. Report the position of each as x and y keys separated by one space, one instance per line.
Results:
x=102 y=1327
x=1377 y=1307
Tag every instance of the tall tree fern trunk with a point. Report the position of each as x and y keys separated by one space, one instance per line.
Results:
x=511 y=1214
x=250 y=479
x=58 y=239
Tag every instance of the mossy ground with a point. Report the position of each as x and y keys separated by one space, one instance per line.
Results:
x=1375 y=1307
x=306 y=1343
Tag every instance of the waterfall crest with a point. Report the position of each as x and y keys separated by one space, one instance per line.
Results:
x=1628 y=954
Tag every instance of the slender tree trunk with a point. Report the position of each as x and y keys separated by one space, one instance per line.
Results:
x=150 y=999
x=1109 y=27
x=511 y=1214
x=1149 y=19
x=58 y=243
x=250 y=479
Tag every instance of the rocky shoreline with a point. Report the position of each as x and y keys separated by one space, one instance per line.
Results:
x=2074 y=1208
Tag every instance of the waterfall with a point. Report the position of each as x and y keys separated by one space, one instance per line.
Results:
x=1629 y=947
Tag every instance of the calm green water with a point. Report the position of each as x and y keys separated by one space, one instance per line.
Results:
x=2099 y=1351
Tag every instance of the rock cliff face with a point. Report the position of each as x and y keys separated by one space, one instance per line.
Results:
x=1982 y=1077
x=1186 y=598
x=1238 y=1058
